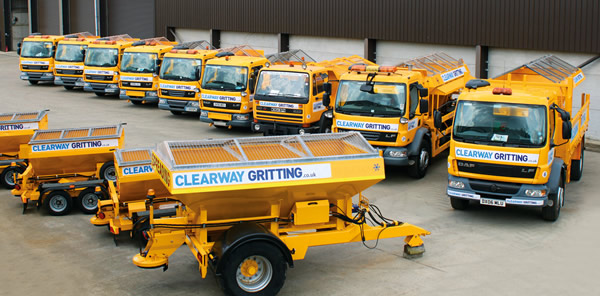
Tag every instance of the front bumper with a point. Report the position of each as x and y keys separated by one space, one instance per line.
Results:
x=106 y=88
x=205 y=116
x=517 y=198
x=69 y=81
x=179 y=105
x=149 y=96
x=37 y=76
x=400 y=157
x=270 y=128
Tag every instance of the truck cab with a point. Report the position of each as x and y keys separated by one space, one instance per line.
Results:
x=140 y=68
x=37 y=57
x=102 y=63
x=514 y=141
x=180 y=76
x=292 y=91
x=396 y=108
x=69 y=58
x=227 y=88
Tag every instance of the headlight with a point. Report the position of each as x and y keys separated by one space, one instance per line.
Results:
x=401 y=153
x=535 y=192
x=57 y=78
x=204 y=113
x=194 y=104
x=79 y=79
x=456 y=184
x=87 y=84
x=48 y=74
x=329 y=114
x=301 y=131
x=241 y=116
x=162 y=101
x=122 y=92
x=113 y=86
x=151 y=94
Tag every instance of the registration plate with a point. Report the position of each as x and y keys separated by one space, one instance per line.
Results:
x=135 y=84
x=190 y=109
x=492 y=202
x=277 y=110
x=222 y=105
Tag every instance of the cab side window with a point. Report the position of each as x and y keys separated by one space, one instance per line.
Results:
x=414 y=100
x=318 y=81
x=253 y=78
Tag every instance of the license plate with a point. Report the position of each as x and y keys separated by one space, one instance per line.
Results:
x=492 y=202
x=220 y=123
x=190 y=109
x=222 y=105
x=277 y=110
x=135 y=84
x=78 y=83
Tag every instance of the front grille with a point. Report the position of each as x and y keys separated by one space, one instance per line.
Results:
x=496 y=169
x=69 y=79
x=99 y=77
x=493 y=196
x=177 y=93
x=272 y=116
x=374 y=136
x=32 y=67
x=177 y=103
x=101 y=86
x=142 y=84
x=222 y=105
x=495 y=187
x=279 y=110
x=34 y=75
x=69 y=72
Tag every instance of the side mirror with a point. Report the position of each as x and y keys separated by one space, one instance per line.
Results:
x=327 y=89
x=437 y=119
x=326 y=99
x=423 y=106
x=564 y=115
x=423 y=92
x=368 y=88
x=566 y=130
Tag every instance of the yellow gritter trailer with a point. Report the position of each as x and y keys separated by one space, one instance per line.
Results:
x=251 y=206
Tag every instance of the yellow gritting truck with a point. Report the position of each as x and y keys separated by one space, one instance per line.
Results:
x=251 y=206
x=37 y=57
x=68 y=163
x=294 y=92
x=127 y=205
x=396 y=108
x=140 y=68
x=102 y=64
x=17 y=129
x=180 y=76
x=69 y=58
x=515 y=141
x=227 y=88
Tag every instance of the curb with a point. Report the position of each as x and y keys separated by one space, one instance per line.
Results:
x=592 y=145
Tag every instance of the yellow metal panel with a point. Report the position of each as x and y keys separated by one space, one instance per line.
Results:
x=136 y=93
x=311 y=212
x=135 y=207
x=219 y=116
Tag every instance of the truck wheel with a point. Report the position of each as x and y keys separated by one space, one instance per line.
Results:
x=33 y=82
x=108 y=172
x=58 y=203
x=551 y=213
x=459 y=203
x=254 y=268
x=100 y=94
x=577 y=165
x=419 y=168
x=87 y=201
x=176 y=112
x=68 y=87
x=7 y=177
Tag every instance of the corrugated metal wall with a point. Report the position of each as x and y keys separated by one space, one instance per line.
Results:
x=561 y=25
x=133 y=17
x=81 y=13
x=48 y=17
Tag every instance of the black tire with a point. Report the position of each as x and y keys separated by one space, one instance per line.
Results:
x=58 y=203
x=33 y=82
x=108 y=171
x=135 y=102
x=100 y=94
x=68 y=87
x=176 y=112
x=422 y=160
x=577 y=165
x=269 y=270
x=551 y=213
x=459 y=203
x=7 y=176
x=87 y=201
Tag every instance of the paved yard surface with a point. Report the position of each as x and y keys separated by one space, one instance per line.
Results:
x=482 y=251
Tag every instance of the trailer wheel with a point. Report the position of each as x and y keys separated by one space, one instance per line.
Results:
x=108 y=172
x=551 y=213
x=33 y=82
x=459 y=203
x=577 y=165
x=87 y=201
x=100 y=94
x=58 y=203
x=422 y=160
x=68 y=87
x=7 y=177
x=254 y=268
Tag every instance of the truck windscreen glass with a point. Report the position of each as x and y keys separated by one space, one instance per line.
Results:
x=283 y=84
x=36 y=49
x=225 y=78
x=139 y=62
x=70 y=52
x=387 y=99
x=101 y=57
x=500 y=124
x=180 y=69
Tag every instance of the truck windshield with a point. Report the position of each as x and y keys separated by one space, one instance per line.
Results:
x=500 y=124
x=70 y=52
x=226 y=78
x=36 y=49
x=101 y=57
x=387 y=99
x=139 y=62
x=283 y=84
x=180 y=69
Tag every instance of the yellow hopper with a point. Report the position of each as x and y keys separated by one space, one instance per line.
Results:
x=66 y=163
x=251 y=206
x=16 y=129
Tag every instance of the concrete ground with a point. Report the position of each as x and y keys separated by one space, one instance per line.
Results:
x=481 y=251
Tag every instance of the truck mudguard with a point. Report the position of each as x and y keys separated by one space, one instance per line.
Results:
x=241 y=234
x=413 y=147
x=555 y=175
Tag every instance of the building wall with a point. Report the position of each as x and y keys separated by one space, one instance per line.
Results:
x=133 y=17
x=48 y=17
x=259 y=41
x=324 y=48
x=393 y=52
x=81 y=14
x=187 y=35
